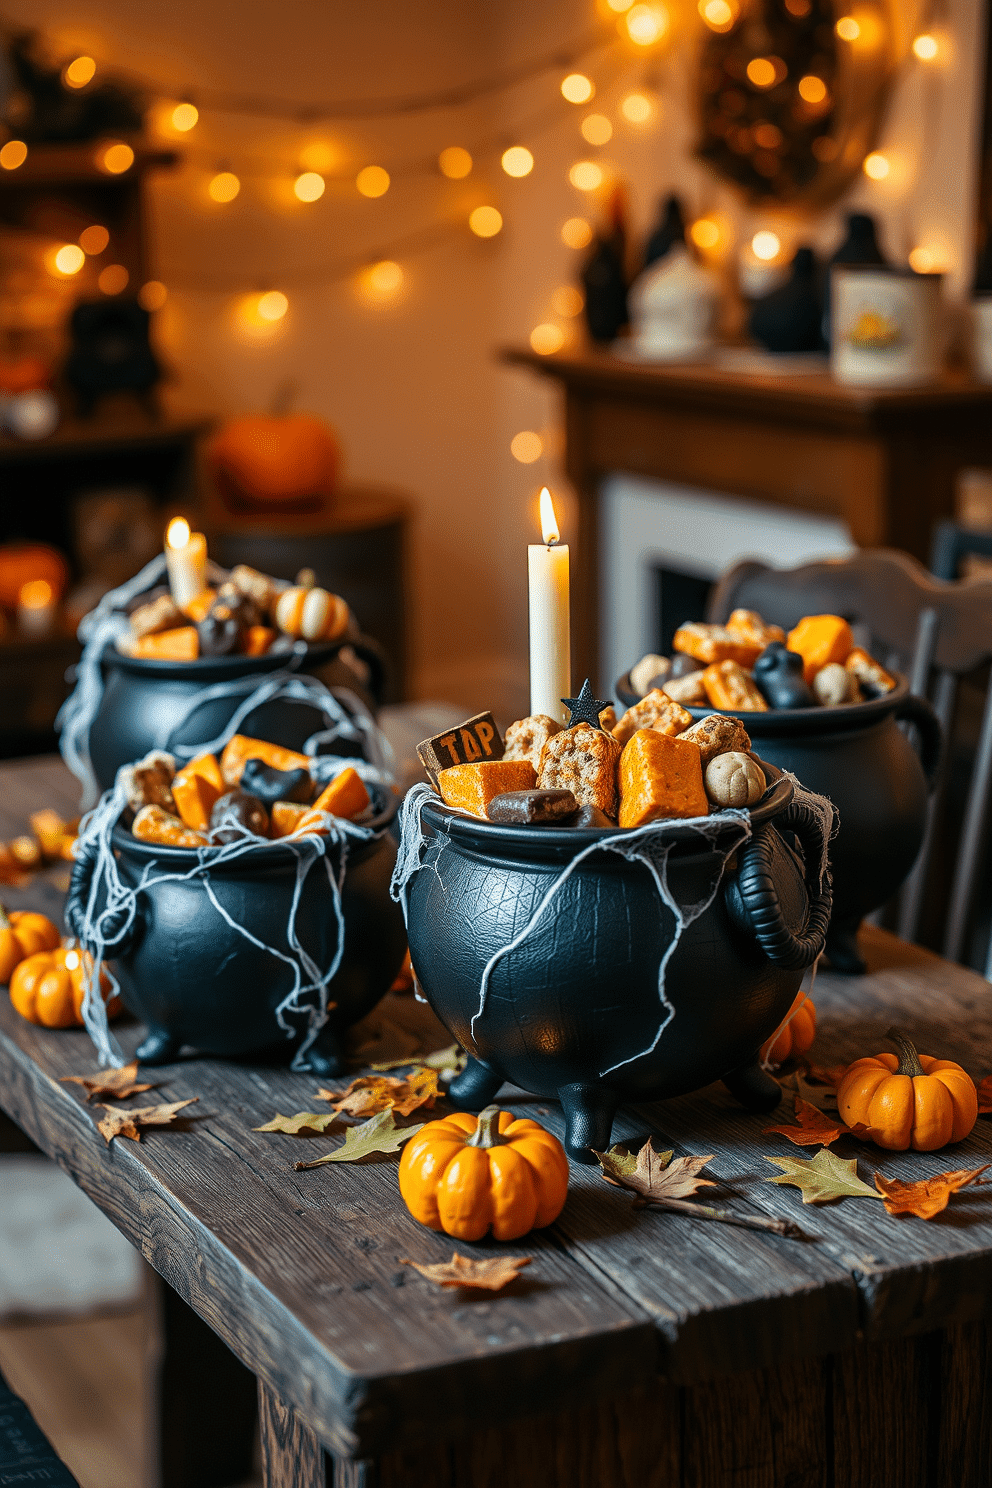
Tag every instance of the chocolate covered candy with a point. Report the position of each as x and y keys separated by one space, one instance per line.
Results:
x=234 y=810
x=778 y=676
x=220 y=631
x=247 y=611
x=532 y=807
x=873 y=679
x=591 y=816
x=270 y=785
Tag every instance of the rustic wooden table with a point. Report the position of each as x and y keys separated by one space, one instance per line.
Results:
x=639 y=1350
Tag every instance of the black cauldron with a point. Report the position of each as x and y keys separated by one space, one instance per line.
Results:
x=574 y=1011
x=143 y=702
x=857 y=756
x=193 y=979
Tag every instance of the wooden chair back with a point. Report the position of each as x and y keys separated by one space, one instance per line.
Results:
x=935 y=632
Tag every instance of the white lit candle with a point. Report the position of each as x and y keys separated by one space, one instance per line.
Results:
x=550 y=657
x=36 y=608
x=186 y=559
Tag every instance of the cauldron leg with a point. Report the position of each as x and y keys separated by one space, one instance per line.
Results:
x=754 y=1087
x=325 y=1055
x=589 y=1112
x=475 y=1087
x=158 y=1048
x=842 y=947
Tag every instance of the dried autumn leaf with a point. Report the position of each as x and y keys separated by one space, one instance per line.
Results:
x=814 y=1128
x=379 y=1134
x=929 y=1196
x=116 y=1082
x=461 y=1271
x=119 y=1123
x=823 y=1097
x=822 y=1178
x=984 y=1088
x=654 y=1175
x=452 y=1058
x=370 y=1094
x=312 y=1121
x=828 y=1075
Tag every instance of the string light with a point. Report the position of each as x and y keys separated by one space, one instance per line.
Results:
x=67 y=260
x=380 y=281
x=925 y=47
x=113 y=279
x=576 y=233
x=597 y=129
x=925 y=261
x=526 y=446
x=485 y=222
x=567 y=300
x=547 y=338
x=116 y=158
x=586 y=175
x=876 y=166
x=761 y=72
x=272 y=305
x=705 y=233
x=184 y=117
x=517 y=161
x=317 y=156
x=636 y=108
x=309 y=187
x=372 y=181
x=79 y=72
x=577 y=88
x=223 y=187
x=812 y=89
x=93 y=240
x=847 y=28
x=619 y=6
x=153 y=295
x=454 y=162
x=13 y=154
x=766 y=245
x=719 y=15
x=646 y=24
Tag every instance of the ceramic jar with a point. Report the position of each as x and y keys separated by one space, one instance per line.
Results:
x=673 y=307
x=885 y=326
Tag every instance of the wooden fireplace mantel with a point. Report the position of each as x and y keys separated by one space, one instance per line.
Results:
x=882 y=460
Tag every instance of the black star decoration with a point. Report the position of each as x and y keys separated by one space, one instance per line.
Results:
x=585 y=708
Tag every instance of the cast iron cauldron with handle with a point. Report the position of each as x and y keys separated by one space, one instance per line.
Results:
x=195 y=980
x=574 y=1011
x=858 y=757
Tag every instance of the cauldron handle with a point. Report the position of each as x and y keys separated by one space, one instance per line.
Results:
x=918 y=712
x=116 y=938
x=752 y=899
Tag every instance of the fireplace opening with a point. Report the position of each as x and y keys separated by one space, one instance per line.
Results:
x=679 y=596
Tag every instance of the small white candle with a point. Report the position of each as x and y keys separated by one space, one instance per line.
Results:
x=550 y=655
x=36 y=609
x=186 y=559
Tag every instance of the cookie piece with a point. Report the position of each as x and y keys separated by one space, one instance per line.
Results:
x=644 y=675
x=710 y=643
x=820 y=639
x=873 y=679
x=473 y=786
x=148 y=782
x=162 y=614
x=656 y=711
x=729 y=686
x=153 y=824
x=527 y=737
x=749 y=627
x=259 y=587
x=733 y=779
x=608 y=718
x=687 y=690
x=583 y=760
x=716 y=735
x=532 y=807
x=834 y=684
x=661 y=776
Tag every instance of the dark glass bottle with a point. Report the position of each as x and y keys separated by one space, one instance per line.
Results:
x=668 y=230
x=790 y=318
x=604 y=277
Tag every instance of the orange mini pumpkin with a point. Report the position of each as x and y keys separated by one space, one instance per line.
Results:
x=468 y=1175
x=908 y=1099
x=22 y=933
x=796 y=1036
x=22 y=562
x=49 y=987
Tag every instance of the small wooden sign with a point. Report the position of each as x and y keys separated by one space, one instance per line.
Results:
x=476 y=739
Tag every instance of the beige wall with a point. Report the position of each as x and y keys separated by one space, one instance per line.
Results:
x=413 y=385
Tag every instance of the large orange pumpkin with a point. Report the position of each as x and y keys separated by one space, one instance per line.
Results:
x=908 y=1099
x=289 y=462
x=22 y=562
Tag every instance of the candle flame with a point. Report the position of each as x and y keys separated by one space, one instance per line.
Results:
x=35 y=594
x=178 y=534
x=549 y=523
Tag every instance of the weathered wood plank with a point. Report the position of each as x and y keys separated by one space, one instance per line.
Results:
x=292 y=1457
x=882 y=1415
x=763 y=1429
x=961 y=1443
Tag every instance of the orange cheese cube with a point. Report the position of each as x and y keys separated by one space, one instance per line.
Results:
x=197 y=608
x=195 y=788
x=285 y=817
x=346 y=797
x=239 y=749
x=660 y=777
x=820 y=639
x=258 y=639
x=473 y=786
x=181 y=644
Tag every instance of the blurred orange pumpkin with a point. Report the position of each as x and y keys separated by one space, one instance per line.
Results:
x=49 y=988
x=275 y=462
x=23 y=375
x=797 y=1034
x=22 y=562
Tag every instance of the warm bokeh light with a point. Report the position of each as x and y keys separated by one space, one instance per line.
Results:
x=547 y=338
x=153 y=295
x=309 y=187
x=766 y=245
x=586 y=175
x=526 y=446
x=647 y=24
x=383 y=278
x=636 y=108
x=577 y=88
x=318 y=155
x=113 y=279
x=177 y=533
x=576 y=233
x=454 y=162
x=94 y=239
x=549 y=522
x=184 y=117
x=485 y=222
x=273 y=305
x=719 y=15
x=71 y=962
x=812 y=89
x=597 y=129
x=799 y=8
x=847 y=28
x=567 y=300
x=372 y=181
x=619 y=6
x=13 y=154
x=116 y=158
x=517 y=161
x=761 y=72
x=67 y=260
x=925 y=46
x=767 y=136
x=927 y=261
x=876 y=165
x=705 y=233
x=79 y=72
x=223 y=187
x=35 y=595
